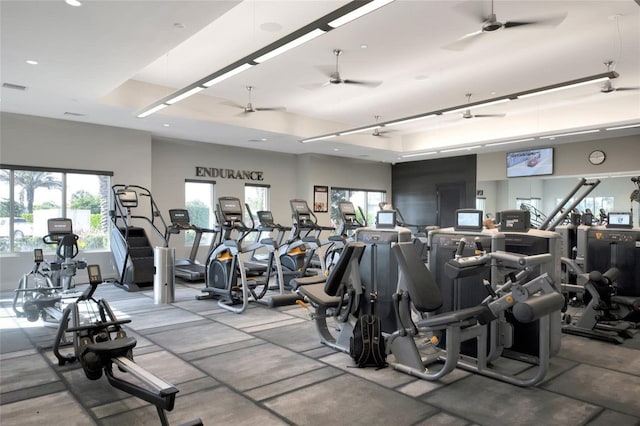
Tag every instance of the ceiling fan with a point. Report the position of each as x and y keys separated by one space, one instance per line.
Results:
x=380 y=133
x=490 y=23
x=607 y=87
x=336 y=78
x=249 y=107
x=467 y=112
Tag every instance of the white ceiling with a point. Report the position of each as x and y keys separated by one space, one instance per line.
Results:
x=107 y=60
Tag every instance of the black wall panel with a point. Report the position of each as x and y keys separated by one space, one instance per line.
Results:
x=415 y=187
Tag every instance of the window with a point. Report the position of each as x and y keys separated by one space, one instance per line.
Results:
x=592 y=203
x=199 y=200
x=368 y=200
x=257 y=198
x=481 y=204
x=31 y=196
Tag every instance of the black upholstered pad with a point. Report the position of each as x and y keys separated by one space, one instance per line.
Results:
x=316 y=294
x=351 y=251
x=475 y=312
x=417 y=279
x=296 y=283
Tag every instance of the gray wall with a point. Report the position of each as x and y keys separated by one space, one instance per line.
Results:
x=162 y=165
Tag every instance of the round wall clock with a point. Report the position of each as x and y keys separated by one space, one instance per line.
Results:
x=597 y=157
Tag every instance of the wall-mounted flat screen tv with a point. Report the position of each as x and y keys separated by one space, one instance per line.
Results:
x=532 y=162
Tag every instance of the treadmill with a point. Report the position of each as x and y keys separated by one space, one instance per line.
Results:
x=189 y=269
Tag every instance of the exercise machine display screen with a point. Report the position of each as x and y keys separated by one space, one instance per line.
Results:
x=468 y=220
x=128 y=198
x=38 y=256
x=300 y=207
x=347 y=208
x=59 y=227
x=179 y=217
x=231 y=206
x=265 y=217
x=94 y=274
x=619 y=220
x=386 y=219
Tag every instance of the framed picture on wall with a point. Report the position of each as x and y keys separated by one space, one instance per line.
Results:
x=320 y=199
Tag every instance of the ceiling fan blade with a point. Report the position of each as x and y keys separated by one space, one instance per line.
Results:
x=550 y=21
x=487 y=115
x=363 y=83
x=624 y=89
x=464 y=41
x=271 y=109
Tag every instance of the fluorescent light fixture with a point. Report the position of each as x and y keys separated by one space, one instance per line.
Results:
x=361 y=11
x=350 y=132
x=499 y=101
x=629 y=126
x=74 y=3
x=419 y=154
x=583 y=132
x=152 y=110
x=290 y=45
x=570 y=86
x=319 y=138
x=31 y=62
x=227 y=75
x=508 y=142
x=408 y=120
x=466 y=148
x=185 y=95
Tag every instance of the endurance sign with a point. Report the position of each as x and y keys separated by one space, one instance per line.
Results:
x=229 y=173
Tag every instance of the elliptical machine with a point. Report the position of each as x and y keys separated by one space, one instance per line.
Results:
x=40 y=292
x=226 y=274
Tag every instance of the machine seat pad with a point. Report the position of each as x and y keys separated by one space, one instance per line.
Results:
x=315 y=293
x=478 y=313
x=113 y=348
x=296 y=283
x=630 y=301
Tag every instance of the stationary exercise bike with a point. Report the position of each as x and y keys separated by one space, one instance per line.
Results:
x=100 y=343
x=40 y=292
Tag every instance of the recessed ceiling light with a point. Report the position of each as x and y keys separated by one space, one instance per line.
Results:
x=167 y=125
x=363 y=46
x=31 y=62
x=74 y=3
x=336 y=149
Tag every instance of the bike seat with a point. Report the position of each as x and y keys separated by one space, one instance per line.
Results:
x=112 y=348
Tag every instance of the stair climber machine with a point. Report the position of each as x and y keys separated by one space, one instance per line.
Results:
x=189 y=269
x=100 y=343
x=131 y=247
x=40 y=293
x=226 y=273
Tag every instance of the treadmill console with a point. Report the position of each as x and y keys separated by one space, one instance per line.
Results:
x=180 y=218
